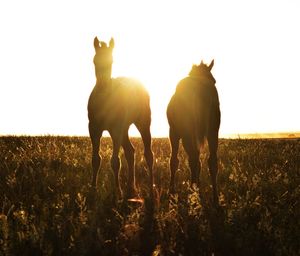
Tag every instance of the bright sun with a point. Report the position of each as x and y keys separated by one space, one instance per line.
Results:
x=158 y=68
x=47 y=71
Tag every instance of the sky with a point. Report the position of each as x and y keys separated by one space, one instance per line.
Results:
x=47 y=72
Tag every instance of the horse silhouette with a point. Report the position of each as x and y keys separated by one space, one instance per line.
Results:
x=193 y=115
x=115 y=104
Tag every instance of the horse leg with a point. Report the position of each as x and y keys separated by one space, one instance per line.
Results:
x=115 y=159
x=95 y=136
x=129 y=155
x=144 y=129
x=174 y=141
x=194 y=163
x=213 y=163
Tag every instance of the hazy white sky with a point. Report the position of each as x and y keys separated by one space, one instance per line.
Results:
x=47 y=73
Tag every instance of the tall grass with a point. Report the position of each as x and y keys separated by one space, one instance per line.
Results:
x=47 y=206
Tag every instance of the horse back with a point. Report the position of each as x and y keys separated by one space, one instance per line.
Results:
x=194 y=109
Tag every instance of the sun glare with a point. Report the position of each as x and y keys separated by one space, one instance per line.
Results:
x=159 y=68
x=156 y=43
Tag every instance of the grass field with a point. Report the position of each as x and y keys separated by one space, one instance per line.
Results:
x=48 y=208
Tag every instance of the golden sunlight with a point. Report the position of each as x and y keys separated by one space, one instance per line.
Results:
x=159 y=66
x=156 y=42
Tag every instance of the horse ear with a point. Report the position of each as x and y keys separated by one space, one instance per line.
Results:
x=111 y=43
x=211 y=65
x=96 y=43
x=201 y=63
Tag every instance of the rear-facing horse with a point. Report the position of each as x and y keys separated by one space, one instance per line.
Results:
x=193 y=115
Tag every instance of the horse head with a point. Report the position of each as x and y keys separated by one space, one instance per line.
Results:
x=203 y=71
x=103 y=59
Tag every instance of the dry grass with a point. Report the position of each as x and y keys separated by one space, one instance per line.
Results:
x=48 y=208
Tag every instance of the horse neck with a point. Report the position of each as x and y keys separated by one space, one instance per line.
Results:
x=103 y=83
x=103 y=79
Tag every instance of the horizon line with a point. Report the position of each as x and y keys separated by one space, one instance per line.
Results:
x=249 y=135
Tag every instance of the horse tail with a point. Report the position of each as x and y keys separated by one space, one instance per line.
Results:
x=214 y=114
x=200 y=126
x=202 y=134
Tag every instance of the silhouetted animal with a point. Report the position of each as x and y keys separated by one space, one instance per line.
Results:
x=194 y=114
x=115 y=104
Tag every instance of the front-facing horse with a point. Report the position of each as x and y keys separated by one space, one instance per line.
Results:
x=115 y=104
x=193 y=115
